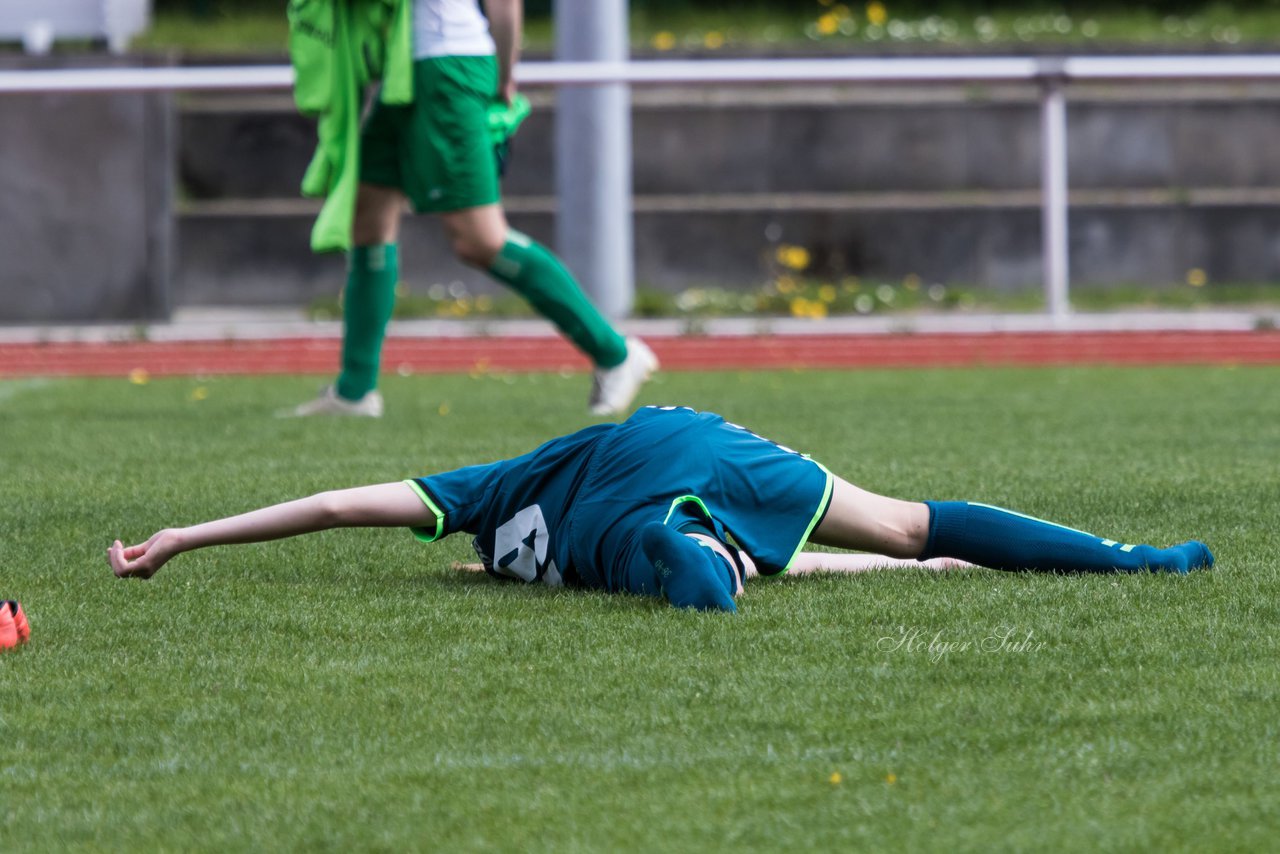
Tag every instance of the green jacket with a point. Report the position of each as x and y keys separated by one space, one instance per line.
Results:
x=338 y=48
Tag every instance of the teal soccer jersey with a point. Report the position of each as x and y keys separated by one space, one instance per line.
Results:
x=517 y=509
x=570 y=511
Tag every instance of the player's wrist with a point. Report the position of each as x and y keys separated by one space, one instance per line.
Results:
x=178 y=540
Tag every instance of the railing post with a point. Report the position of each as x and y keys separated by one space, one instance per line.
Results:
x=593 y=157
x=1054 y=200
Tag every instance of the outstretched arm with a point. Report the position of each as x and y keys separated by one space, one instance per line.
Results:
x=381 y=505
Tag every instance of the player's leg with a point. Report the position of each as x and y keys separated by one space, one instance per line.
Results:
x=455 y=174
x=481 y=237
x=987 y=536
x=863 y=521
x=373 y=269
x=367 y=303
x=369 y=299
x=1003 y=539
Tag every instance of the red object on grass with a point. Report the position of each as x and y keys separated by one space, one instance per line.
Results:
x=14 y=628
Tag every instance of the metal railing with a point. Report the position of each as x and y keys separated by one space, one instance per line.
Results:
x=1053 y=75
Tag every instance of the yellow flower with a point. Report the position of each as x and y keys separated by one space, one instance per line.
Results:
x=199 y=393
x=1196 y=277
x=835 y=779
x=876 y=13
x=840 y=11
x=827 y=293
x=713 y=40
x=664 y=40
x=786 y=284
x=139 y=376
x=891 y=778
x=828 y=24
x=444 y=409
x=811 y=308
x=793 y=257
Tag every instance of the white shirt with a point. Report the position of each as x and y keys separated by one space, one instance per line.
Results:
x=450 y=28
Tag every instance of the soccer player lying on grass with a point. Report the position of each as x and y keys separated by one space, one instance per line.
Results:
x=672 y=503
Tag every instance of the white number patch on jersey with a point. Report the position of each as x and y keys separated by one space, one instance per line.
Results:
x=520 y=548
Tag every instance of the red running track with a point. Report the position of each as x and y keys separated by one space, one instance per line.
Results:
x=444 y=355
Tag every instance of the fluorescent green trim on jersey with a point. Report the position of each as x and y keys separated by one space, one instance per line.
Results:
x=817 y=515
x=681 y=500
x=422 y=533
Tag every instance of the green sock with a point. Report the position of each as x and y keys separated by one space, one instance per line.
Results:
x=370 y=296
x=538 y=276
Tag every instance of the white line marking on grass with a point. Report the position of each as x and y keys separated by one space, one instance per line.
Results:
x=646 y=760
x=12 y=388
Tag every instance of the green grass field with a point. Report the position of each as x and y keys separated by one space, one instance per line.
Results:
x=349 y=691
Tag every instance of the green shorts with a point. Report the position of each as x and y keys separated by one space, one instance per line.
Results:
x=437 y=150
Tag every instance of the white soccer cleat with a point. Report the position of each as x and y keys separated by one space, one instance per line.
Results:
x=613 y=389
x=328 y=403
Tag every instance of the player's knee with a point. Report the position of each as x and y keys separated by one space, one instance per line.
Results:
x=374 y=230
x=377 y=216
x=474 y=249
x=911 y=531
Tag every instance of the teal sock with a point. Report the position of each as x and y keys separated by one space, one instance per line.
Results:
x=1001 y=539
x=689 y=575
x=367 y=303
x=537 y=275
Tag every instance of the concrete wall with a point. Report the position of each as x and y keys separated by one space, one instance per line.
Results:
x=246 y=261
x=940 y=183
x=807 y=141
x=880 y=183
x=86 y=226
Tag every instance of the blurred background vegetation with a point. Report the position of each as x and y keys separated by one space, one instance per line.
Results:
x=823 y=26
x=908 y=7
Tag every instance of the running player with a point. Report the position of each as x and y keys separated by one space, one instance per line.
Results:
x=673 y=503
x=437 y=153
